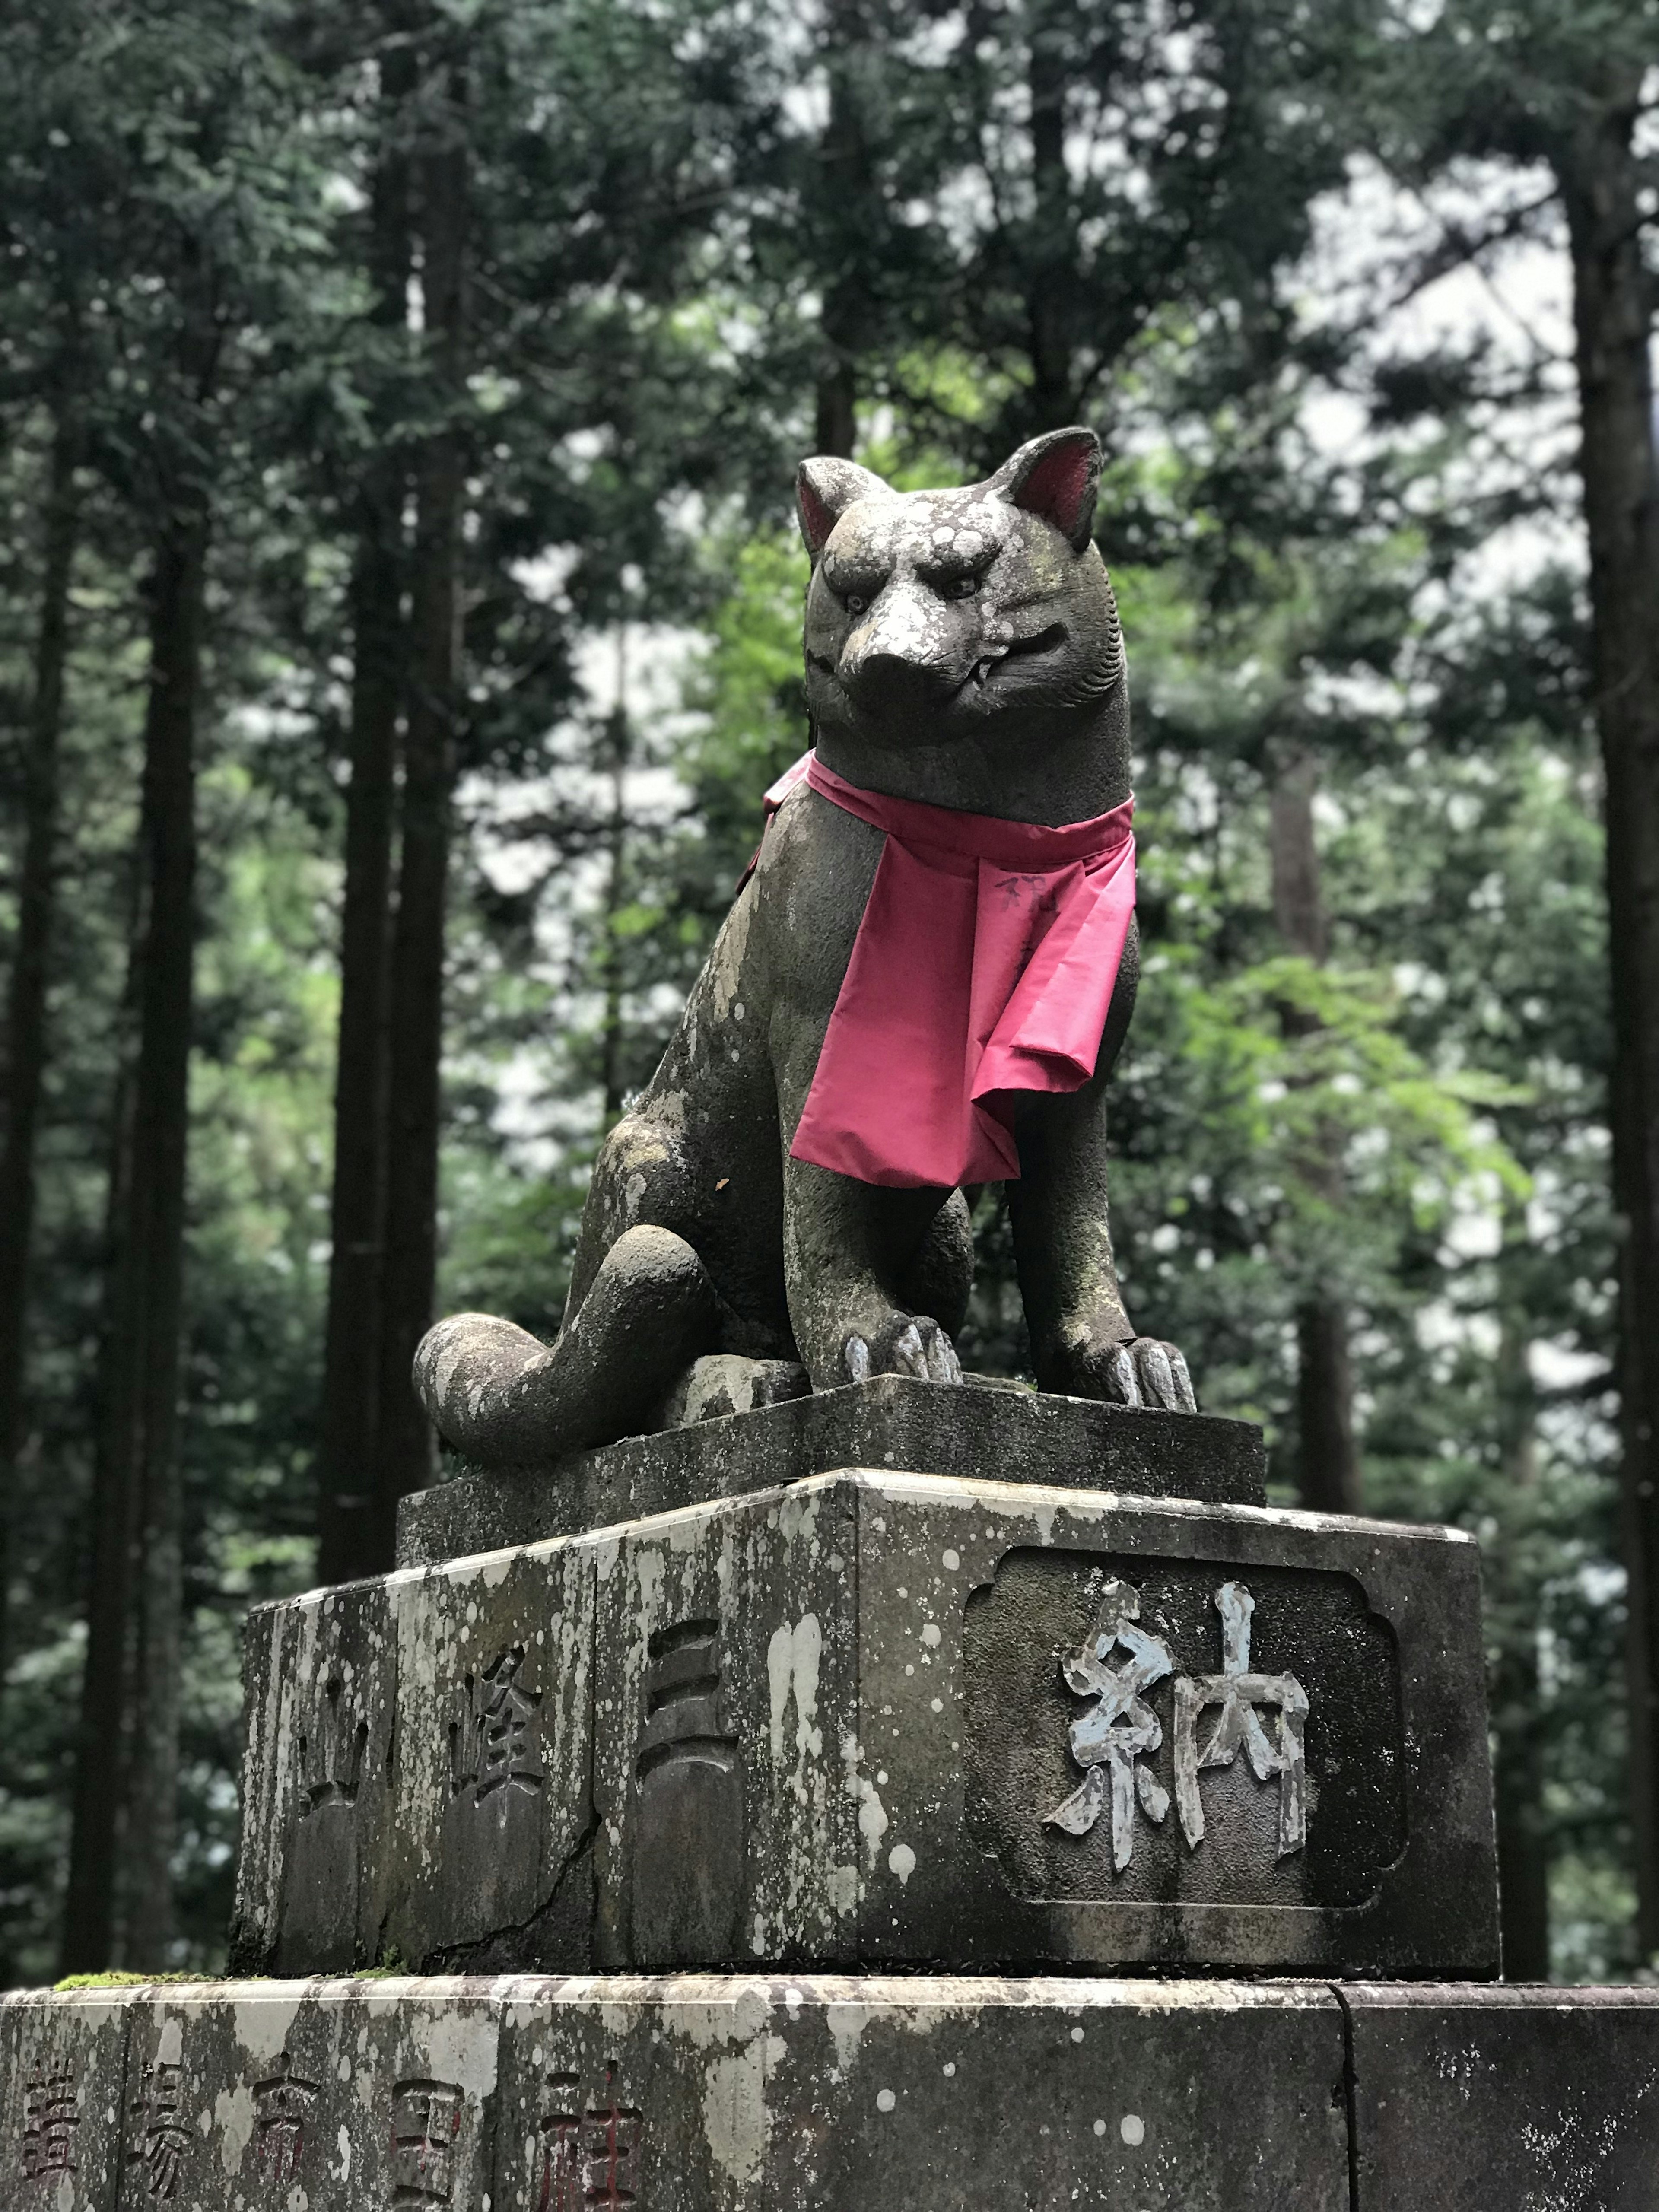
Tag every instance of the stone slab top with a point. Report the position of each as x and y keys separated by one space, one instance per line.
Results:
x=1530 y=1998
x=981 y=1432
x=1038 y=1499
x=911 y=1993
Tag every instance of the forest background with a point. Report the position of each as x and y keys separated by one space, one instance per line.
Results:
x=399 y=611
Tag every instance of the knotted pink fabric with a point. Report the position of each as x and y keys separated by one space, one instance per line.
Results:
x=983 y=969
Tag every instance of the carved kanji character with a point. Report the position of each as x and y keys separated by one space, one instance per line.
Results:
x=1240 y=1694
x=492 y=1744
x=331 y=1744
x=280 y=2104
x=610 y=2150
x=1109 y=1742
x=159 y=2133
x=560 y=2132
x=426 y=2121
x=50 y=2116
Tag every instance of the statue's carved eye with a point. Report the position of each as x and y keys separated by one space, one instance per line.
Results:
x=959 y=587
x=854 y=605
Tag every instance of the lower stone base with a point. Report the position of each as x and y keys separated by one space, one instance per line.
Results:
x=723 y=2093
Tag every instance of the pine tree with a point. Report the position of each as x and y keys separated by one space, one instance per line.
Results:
x=1540 y=84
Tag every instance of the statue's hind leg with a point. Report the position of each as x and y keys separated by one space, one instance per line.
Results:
x=501 y=1396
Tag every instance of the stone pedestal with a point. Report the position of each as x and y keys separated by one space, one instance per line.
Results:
x=910 y=1753
x=846 y=1723
x=740 y=2093
x=985 y=1431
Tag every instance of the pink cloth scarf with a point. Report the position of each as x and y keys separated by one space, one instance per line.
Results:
x=982 y=970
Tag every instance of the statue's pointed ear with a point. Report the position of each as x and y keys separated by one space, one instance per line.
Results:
x=825 y=488
x=1056 y=476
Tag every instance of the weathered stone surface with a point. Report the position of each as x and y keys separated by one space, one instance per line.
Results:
x=1513 y=2100
x=315 y=1806
x=62 y=2066
x=970 y=1430
x=886 y=1673
x=725 y=1382
x=335 y=2097
x=695 y=2093
x=828 y=2094
x=924 y=2096
x=449 y=1809
x=492 y=1822
x=879 y=1718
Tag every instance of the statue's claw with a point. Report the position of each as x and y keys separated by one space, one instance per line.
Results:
x=1146 y=1372
x=910 y=1344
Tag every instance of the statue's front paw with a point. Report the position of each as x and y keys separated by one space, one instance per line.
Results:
x=906 y=1343
x=1144 y=1372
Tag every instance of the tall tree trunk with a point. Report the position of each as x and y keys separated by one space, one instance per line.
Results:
x=1299 y=896
x=136 y=1532
x=346 y=1471
x=100 y=1756
x=1329 y=1477
x=161 y=1139
x=1052 y=403
x=26 y=1007
x=1327 y=1456
x=835 y=421
x=618 y=745
x=1518 y=1779
x=848 y=197
x=404 y=1450
x=1612 y=311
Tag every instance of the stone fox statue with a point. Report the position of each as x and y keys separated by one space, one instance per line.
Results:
x=922 y=984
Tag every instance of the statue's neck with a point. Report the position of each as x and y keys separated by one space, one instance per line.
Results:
x=1069 y=774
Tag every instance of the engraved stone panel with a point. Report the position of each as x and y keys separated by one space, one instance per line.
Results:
x=332 y=2097
x=990 y=1724
x=319 y=1695
x=61 y=2075
x=740 y=2093
x=725 y=1648
x=416 y=1780
x=1309 y=1785
x=821 y=2093
x=1249 y=1802
x=492 y=1793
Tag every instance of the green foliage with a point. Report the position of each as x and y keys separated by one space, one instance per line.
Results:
x=749 y=689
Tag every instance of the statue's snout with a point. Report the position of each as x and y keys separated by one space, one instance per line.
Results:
x=898 y=659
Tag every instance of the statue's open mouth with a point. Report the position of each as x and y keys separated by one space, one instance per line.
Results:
x=1043 y=640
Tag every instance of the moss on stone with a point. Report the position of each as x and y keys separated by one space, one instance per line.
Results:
x=112 y=1980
